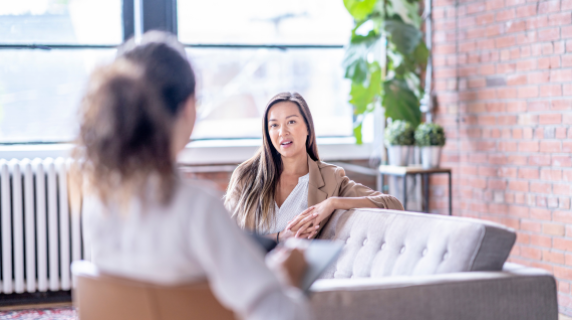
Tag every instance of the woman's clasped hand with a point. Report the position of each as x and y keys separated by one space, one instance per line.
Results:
x=307 y=224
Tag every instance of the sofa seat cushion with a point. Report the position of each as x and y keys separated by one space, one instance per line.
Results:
x=381 y=243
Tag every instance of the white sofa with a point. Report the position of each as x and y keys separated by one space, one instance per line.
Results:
x=402 y=265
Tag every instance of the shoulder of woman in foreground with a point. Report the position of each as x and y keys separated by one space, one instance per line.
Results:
x=200 y=190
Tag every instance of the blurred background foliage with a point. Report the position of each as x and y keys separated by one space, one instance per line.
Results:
x=385 y=59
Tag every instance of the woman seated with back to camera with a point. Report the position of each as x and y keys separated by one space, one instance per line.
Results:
x=141 y=218
x=285 y=191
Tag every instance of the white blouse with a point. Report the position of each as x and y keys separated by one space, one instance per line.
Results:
x=191 y=238
x=295 y=203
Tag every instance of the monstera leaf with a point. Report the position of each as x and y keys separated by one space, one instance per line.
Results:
x=355 y=59
x=404 y=36
x=360 y=9
x=389 y=27
x=363 y=95
x=400 y=102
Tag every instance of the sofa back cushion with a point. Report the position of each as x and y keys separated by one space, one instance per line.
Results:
x=381 y=243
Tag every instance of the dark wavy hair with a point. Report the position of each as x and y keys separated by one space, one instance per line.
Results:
x=127 y=115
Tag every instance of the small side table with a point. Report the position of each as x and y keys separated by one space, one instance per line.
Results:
x=415 y=170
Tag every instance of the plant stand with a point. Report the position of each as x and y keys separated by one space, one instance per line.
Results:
x=415 y=170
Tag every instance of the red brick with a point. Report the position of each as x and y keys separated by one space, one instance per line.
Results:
x=540 y=241
x=527 y=173
x=539 y=160
x=538 y=106
x=565 y=273
x=528 y=146
x=561 y=161
x=540 y=187
x=531 y=226
x=553 y=229
x=567 y=175
x=518 y=186
x=548 y=6
x=552 y=256
x=561 y=75
x=561 y=105
x=551 y=118
x=496 y=184
x=564 y=217
x=538 y=77
x=550 y=146
x=537 y=22
x=566 y=146
x=540 y=214
x=563 y=189
x=560 y=19
x=566 y=32
x=516 y=106
x=526 y=65
x=531 y=253
x=562 y=244
x=506 y=41
x=526 y=11
x=551 y=90
x=566 y=5
x=550 y=174
x=527 y=92
x=548 y=62
x=550 y=34
x=508 y=172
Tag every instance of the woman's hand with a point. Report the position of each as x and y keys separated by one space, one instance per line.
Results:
x=288 y=264
x=307 y=223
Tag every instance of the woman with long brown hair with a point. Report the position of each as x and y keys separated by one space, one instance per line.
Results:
x=142 y=219
x=285 y=190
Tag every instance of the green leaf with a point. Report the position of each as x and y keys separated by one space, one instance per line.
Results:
x=364 y=94
x=404 y=36
x=355 y=59
x=408 y=11
x=357 y=134
x=421 y=54
x=359 y=9
x=356 y=71
x=400 y=102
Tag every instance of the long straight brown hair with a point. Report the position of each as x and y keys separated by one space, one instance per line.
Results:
x=259 y=176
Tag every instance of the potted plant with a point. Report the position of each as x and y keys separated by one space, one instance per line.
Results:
x=430 y=137
x=399 y=137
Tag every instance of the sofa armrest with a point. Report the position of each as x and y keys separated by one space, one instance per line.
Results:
x=519 y=294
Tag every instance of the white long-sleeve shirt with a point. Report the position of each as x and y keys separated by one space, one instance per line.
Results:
x=192 y=238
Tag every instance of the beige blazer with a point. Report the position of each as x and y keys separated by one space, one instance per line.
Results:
x=328 y=180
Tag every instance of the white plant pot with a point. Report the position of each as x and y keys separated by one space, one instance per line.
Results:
x=398 y=155
x=431 y=157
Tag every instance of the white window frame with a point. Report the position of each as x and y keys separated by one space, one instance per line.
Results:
x=205 y=152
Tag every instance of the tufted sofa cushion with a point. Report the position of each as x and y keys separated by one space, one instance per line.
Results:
x=381 y=243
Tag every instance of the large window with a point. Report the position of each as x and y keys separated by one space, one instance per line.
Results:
x=243 y=52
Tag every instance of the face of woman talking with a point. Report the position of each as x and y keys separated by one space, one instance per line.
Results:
x=287 y=129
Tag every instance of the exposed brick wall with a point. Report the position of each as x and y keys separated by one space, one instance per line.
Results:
x=503 y=79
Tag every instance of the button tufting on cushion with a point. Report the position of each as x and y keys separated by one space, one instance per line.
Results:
x=397 y=244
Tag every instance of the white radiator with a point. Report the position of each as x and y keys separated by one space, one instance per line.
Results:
x=40 y=231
